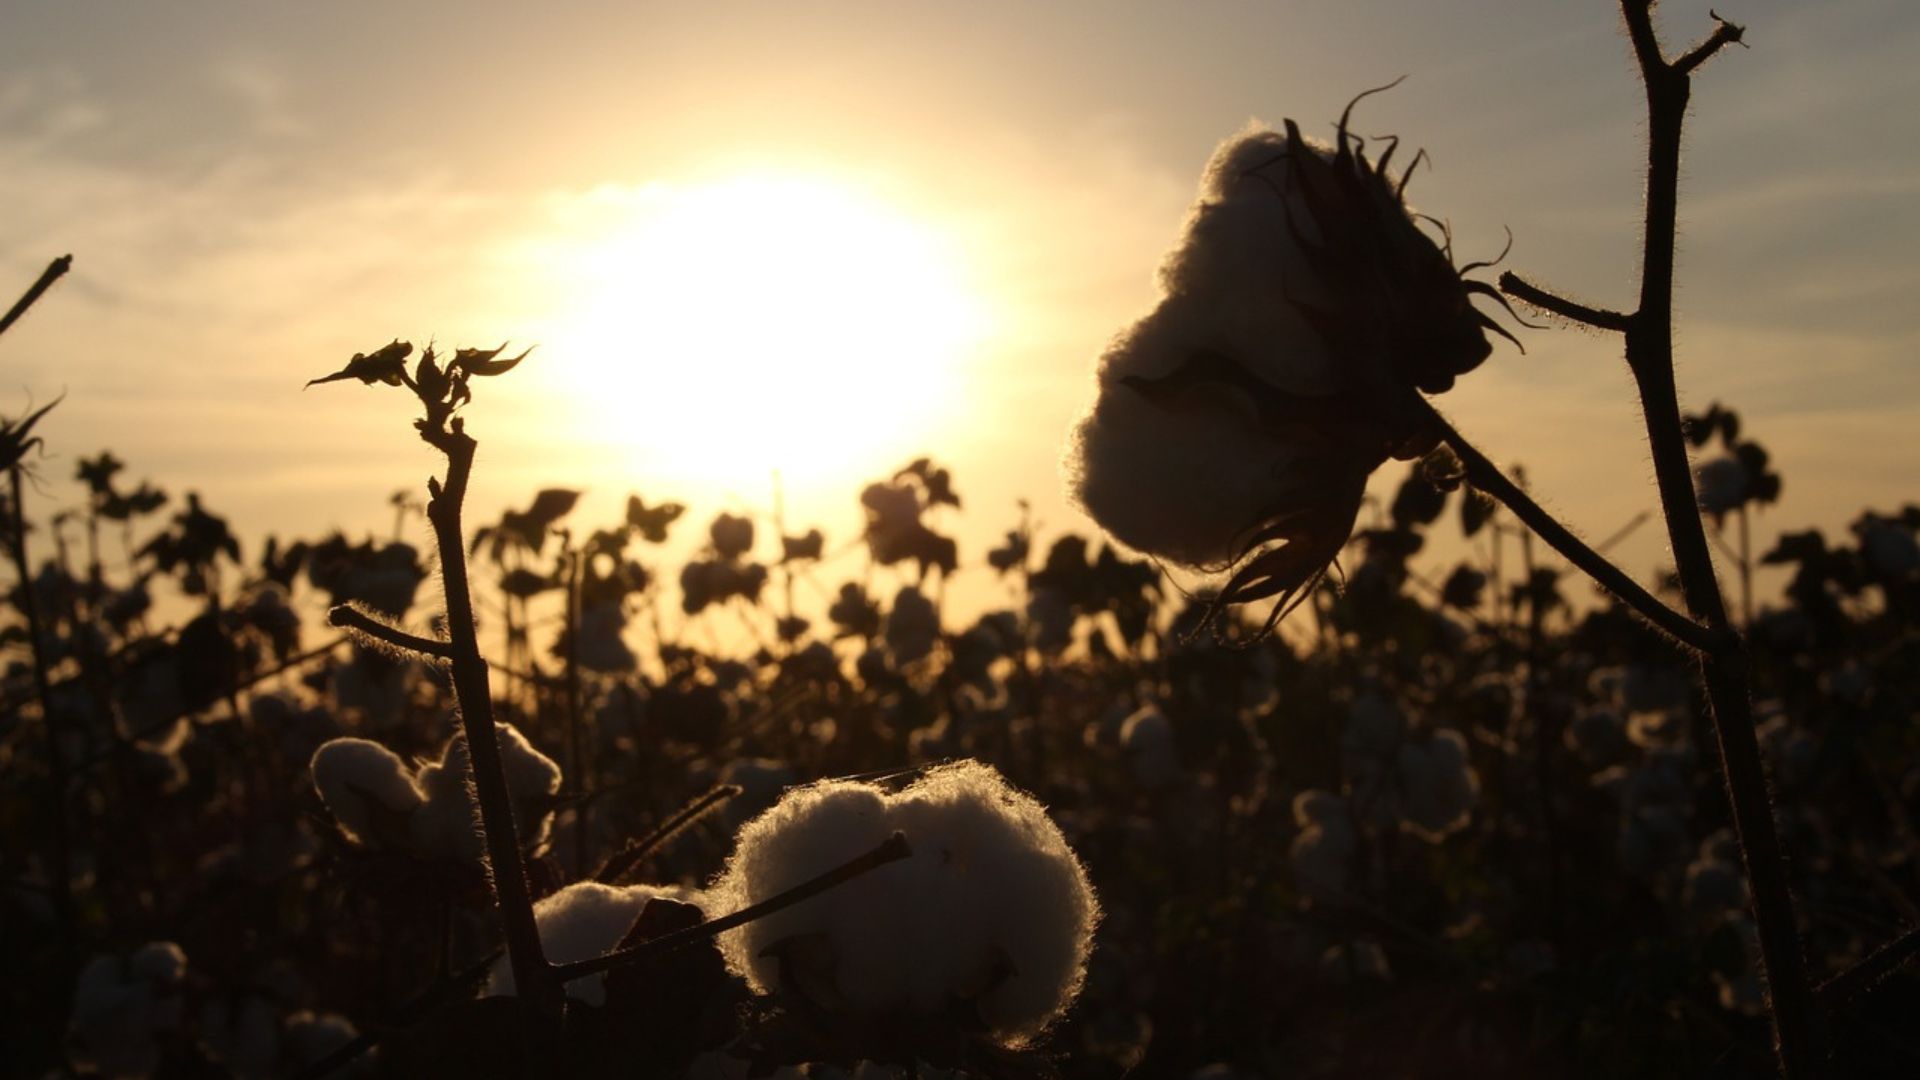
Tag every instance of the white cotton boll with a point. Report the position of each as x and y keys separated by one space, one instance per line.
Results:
x=448 y=822
x=243 y=1034
x=583 y=921
x=159 y=962
x=1148 y=738
x=309 y=1036
x=120 y=1004
x=1438 y=785
x=1362 y=959
x=364 y=786
x=1597 y=735
x=991 y=906
x=1322 y=852
x=1713 y=887
x=913 y=626
x=1375 y=726
x=1657 y=728
x=1184 y=479
x=1721 y=484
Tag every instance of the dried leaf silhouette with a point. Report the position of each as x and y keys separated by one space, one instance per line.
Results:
x=388 y=364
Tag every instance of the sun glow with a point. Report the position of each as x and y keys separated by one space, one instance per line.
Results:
x=759 y=323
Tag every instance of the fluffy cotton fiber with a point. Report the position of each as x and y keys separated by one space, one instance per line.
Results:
x=583 y=921
x=378 y=800
x=991 y=906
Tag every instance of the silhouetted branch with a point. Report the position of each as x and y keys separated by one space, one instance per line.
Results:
x=359 y=622
x=893 y=848
x=1724 y=34
x=474 y=697
x=1838 y=991
x=1533 y=295
x=406 y=1014
x=631 y=856
x=54 y=271
x=1798 y=1023
x=1486 y=476
x=59 y=844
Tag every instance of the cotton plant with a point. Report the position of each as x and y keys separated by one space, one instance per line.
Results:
x=991 y=911
x=1305 y=319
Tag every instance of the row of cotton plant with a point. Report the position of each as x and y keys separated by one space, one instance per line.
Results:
x=517 y=805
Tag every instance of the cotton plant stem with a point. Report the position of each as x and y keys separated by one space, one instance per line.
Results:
x=473 y=694
x=1487 y=477
x=59 y=840
x=1797 y=1023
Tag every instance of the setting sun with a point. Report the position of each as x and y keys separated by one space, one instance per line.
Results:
x=762 y=322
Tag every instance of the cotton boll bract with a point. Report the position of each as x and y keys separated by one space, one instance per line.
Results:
x=583 y=921
x=991 y=906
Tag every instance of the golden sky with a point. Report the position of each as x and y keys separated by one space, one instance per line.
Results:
x=826 y=238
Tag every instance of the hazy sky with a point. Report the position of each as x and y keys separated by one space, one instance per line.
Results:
x=254 y=191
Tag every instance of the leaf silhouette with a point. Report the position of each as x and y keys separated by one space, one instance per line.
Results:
x=388 y=364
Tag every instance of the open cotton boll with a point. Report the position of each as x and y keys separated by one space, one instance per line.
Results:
x=448 y=822
x=991 y=907
x=583 y=921
x=120 y=1004
x=1322 y=852
x=362 y=783
x=1148 y=737
x=1438 y=785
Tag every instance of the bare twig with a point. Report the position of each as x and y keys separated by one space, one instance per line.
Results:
x=1533 y=295
x=54 y=271
x=350 y=618
x=891 y=849
x=633 y=854
x=1836 y=993
x=1486 y=476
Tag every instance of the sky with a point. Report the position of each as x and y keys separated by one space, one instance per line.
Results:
x=827 y=238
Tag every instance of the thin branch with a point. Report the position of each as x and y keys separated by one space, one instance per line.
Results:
x=473 y=695
x=1554 y=304
x=1724 y=34
x=893 y=848
x=1881 y=964
x=1486 y=476
x=406 y=1014
x=348 y=617
x=54 y=271
x=633 y=854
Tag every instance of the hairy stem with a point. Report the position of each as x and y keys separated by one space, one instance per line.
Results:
x=1797 y=1024
x=360 y=623
x=1487 y=477
x=474 y=697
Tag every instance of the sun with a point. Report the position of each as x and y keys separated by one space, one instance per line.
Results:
x=762 y=323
